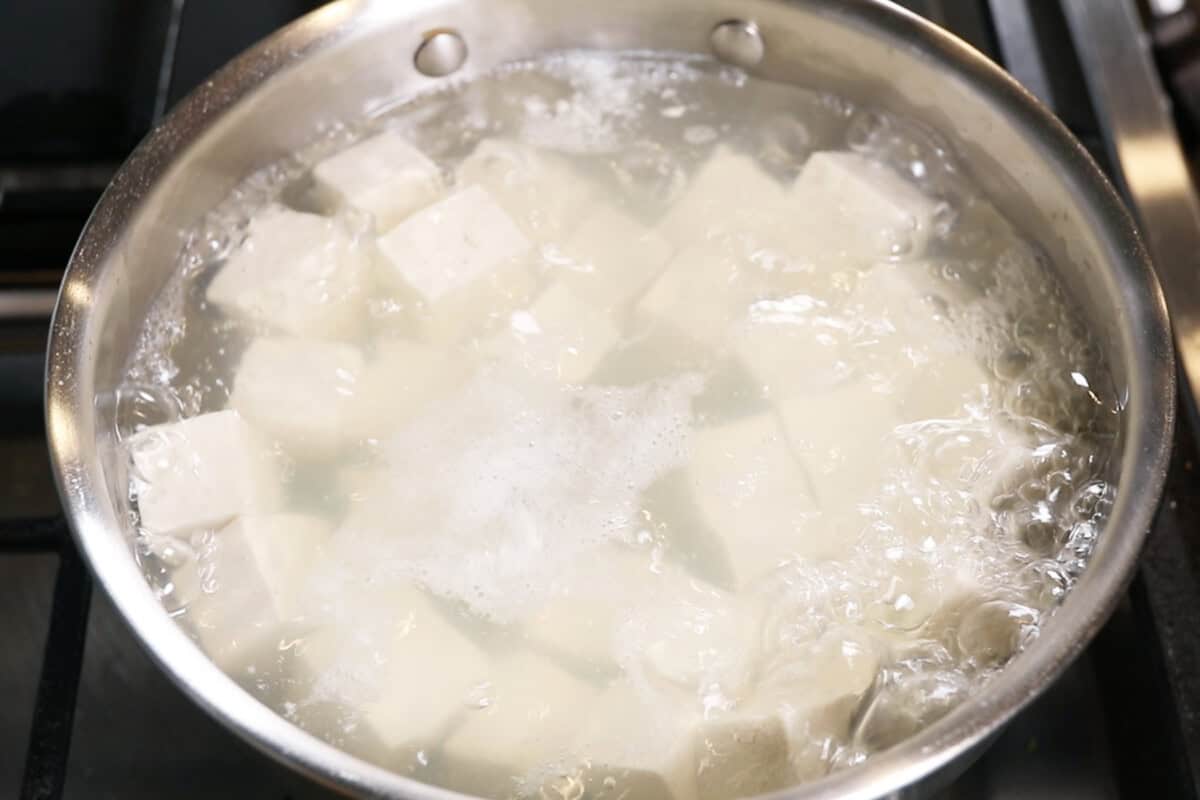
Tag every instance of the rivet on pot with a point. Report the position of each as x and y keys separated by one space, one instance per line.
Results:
x=442 y=52
x=738 y=42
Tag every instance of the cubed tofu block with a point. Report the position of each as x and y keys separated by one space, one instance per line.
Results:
x=981 y=456
x=901 y=314
x=400 y=380
x=791 y=345
x=297 y=273
x=537 y=188
x=462 y=258
x=694 y=639
x=842 y=437
x=561 y=336
x=907 y=339
x=851 y=211
x=610 y=259
x=410 y=686
x=741 y=754
x=523 y=721
x=729 y=194
x=751 y=489
x=201 y=473
x=579 y=624
x=255 y=568
x=630 y=747
x=383 y=176
x=299 y=391
x=814 y=690
x=948 y=386
x=702 y=292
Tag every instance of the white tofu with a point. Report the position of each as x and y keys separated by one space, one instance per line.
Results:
x=851 y=211
x=753 y=492
x=814 y=689
x=383 y=176
x=789 y=345
x=610 y=259
x=979 y=456
x=299 y=391
x=433 y=674
x=729 y=194
x=254 y=573
x=580 y=622
x=296 y=273
x=561 y=336
x=947 y=387
x=628 y=746
x=902 y=315
x=201 y=473
x=843 y=439
x=540 y=191
x=462 y=258
x=401 y=380
x=702 y=292
x=909 y=341
x=694 y=639
x=524 y=720
x=409 y=688
x=741 y=754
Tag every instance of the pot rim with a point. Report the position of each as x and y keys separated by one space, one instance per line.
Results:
x=82 y=488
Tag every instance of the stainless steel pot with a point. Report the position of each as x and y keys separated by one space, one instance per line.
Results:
x=345 y=59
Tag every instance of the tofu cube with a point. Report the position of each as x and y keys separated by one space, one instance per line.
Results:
x=537 y=188
x=814 y=690
x=610 y=259
x=700 y=295
x=789 y=345
x=201 y=473
x=751 y=489
x=296 y=273
x=981 y=456
x=561 y=336
x=843 y=438
x=741 y=754
x=408 y=686
x=401 y=380
x=692 y=640
x=852 y=211
x=383 y=176
x=255 y=569
x=579 y=625
x=299 y=391
x=615 y=758
x=523 y=721
x=462 y=258
x=729 y=194
x=901 y=313
x=908 y=341
x=947 y=388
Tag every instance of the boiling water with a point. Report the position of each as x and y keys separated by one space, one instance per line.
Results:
x=735 y=518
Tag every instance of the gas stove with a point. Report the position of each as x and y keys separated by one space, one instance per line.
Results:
x=88 y=715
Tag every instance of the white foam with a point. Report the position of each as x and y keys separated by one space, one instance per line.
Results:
x=509 y=481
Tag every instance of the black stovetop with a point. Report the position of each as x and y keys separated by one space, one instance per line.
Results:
x=86 y=714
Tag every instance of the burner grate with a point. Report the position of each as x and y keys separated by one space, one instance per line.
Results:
x=45 y=771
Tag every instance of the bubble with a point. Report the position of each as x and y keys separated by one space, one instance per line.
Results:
x=866 y=131
x=650 y=170
x=1045 y=582
x=785 y=141
x=992 y=632
x=1090 y=500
